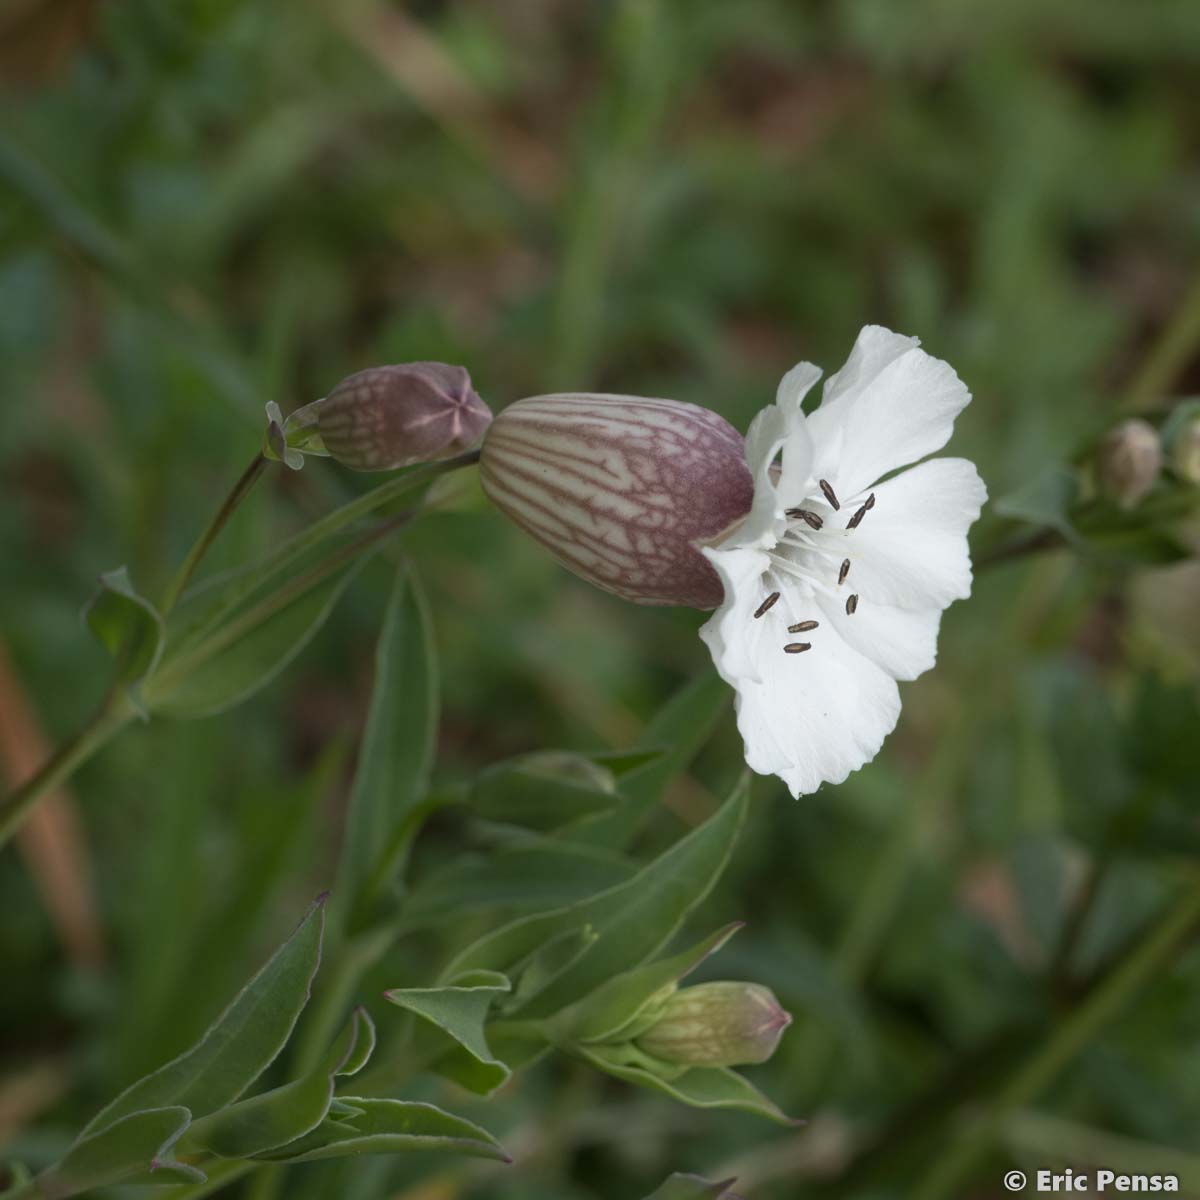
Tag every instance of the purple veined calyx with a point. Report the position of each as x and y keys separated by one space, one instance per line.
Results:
x=623 y=490
x=384 y=418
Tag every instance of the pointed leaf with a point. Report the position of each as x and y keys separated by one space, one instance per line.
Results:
x=606 y=1014
x=135 y=1143
x=280 y=1116
x=460 y=1009
x=126 y=624
x=555 y=957
x=537 y=875
x=698 y=1087
x=398 y=744
x=692 y=1187
x=391 y=1127
x=241 y=1044
x=1046 y=500
x=544 y=790
x=682 y=726
x=221 y=651
x=632 y=920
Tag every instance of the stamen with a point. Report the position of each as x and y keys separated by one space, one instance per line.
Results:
x=862 y=512
x=765 y=605
x=830 y=494
x=803 y=626
x=797 y=647
x=809 y=518
x=844 y=571
x=851 y=605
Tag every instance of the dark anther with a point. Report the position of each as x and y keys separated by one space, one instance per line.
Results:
x=797 y=647
x=802 y=627
x=766 y=604
x=830 y=494
x=851 y=605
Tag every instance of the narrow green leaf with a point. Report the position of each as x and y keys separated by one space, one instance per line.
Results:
x=398 y=743
x=241 y=1044
x=698 y=1087
x=280 y=1116
x=242 y=657
x=683 y=725
x=1046 y=500
x=692 y=1187
x=632 y=920
x=391 y=1127
x=460 y=1009
x=548 y=963
x=137 y=1142
x=544 y=790
x=605 y=1014
x=536 y=875
x=127 y=625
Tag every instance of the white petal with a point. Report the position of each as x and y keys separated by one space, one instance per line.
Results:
x=798 y=450
x=778 y=427
x=810 y=718
x=890 y=405
x=903 y=641
x=732 y=632
x=911 y=548
x=795 y=385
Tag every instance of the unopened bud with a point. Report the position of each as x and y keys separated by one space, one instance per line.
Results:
x=1185 y=452
x=622 y=490
x=717 y=1025
x=389 y=417
x=1129 y=461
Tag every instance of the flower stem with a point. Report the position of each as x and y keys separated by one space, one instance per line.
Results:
x=1148 y=955
x=112 y=716
x=117 y=712
x=187 y=569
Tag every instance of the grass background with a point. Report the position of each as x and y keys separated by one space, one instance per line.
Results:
x=206 y=205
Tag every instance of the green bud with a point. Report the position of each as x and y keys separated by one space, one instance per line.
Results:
x=717 y=1025
x=389 y=417
x=1185 y=452
x=1129 y=461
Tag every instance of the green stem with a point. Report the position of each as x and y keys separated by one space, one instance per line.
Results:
x=1169 y=354
x=1148 y=956
x=114 y=715
x=187 y=569
x=117 y=712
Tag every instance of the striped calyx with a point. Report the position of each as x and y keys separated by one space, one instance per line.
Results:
x=389 y=417
x=622 y=490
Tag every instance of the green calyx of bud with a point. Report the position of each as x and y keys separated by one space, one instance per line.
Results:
x=1129 y=461
x=1185 y=451
x=288 y=439
x=725 y=1024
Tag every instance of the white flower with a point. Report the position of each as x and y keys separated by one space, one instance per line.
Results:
x=835 y=582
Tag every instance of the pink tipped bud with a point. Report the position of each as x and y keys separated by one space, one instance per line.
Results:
x=1130 y=461
x=717 y=1025
x=622 y=490
x=389 y=417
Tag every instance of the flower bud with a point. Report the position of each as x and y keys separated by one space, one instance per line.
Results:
x=622 y=490
x=389 y=417
x=1129 y=461
x=717 y=1025
x=1185 y=452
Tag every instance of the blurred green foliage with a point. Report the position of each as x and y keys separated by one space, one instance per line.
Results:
x=207 y=205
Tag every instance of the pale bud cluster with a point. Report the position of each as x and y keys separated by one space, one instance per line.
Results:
x=1129 y=461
